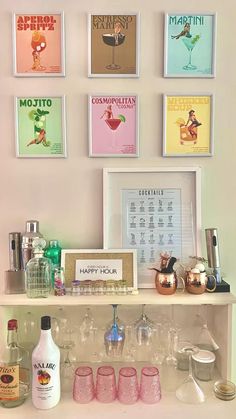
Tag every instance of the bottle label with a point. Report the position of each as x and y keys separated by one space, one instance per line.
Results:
x=45 y=377
x=9 y=382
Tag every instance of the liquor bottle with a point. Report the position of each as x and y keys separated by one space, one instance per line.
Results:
x=32 y=232
x=38 y=272
x=46 y=389
x=53 y=252
x=14 y=370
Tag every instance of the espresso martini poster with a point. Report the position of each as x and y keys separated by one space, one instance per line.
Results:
x=113 y=45
x=189 y=45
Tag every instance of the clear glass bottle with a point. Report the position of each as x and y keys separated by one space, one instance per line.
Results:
x=38 y=272
x=14 y=370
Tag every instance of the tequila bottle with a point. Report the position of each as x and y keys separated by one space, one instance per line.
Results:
x=14 y=370
x=38 y=272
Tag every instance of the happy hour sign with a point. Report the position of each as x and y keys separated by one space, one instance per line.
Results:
x=94 y=269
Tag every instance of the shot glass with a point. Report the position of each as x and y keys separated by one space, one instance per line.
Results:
x=106 y=384
x=128 y=391
x=150 y=390
x=83 y=390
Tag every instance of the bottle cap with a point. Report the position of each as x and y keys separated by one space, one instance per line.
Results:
x=12 y=324
x=32 y=226
x=53 y=243
x=45 y=322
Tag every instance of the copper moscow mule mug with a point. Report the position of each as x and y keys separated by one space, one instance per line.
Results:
x=166 y=283
x=196 y=282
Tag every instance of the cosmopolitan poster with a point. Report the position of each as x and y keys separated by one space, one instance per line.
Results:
x=190 y=45
x=38 y=45
x=113 y=126
x=40 y=127
x=113 y=45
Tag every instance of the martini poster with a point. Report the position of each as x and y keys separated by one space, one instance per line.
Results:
x=113 y=45
x=113 y=126
x=40 y=126
x=190 y=45
x=38 y=45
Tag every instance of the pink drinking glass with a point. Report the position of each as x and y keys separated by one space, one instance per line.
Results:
x=83 y=390
x=128 y=391
x=150 y=390
x=106 y=384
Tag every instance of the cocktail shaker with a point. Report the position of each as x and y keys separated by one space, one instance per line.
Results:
x=213 y=252
x=15 y=251
x=32 y=232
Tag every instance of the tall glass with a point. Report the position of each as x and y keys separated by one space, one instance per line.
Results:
x=128 y=391
x=106 y=384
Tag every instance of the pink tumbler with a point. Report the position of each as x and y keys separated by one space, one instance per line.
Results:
x=128 y=391
x=106 y=384
x=150 y=390
x=83 y=390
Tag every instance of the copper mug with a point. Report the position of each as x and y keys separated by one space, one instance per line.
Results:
x=166 y=283
x=196 y=282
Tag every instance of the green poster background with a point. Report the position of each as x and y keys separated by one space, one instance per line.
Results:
x=51 y=123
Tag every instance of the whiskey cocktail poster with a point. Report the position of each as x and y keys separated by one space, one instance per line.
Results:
x=190 y=45
x=113 y=126
x=38 y=44
x=113 y=45
x=188 y=126
x=40 y=127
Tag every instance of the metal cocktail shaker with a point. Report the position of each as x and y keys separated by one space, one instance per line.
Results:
x=213 y=252
x=15 y=251
x=32 y=232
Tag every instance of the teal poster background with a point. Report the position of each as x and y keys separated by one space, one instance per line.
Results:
x=190 y=45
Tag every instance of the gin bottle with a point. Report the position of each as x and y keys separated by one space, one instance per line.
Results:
x=53 y=252
x=14 y=370
x=38 y=272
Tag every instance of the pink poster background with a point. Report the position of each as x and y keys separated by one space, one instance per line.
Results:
x=121 y=141
x=50 y=57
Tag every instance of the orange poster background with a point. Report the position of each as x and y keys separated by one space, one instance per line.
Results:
x=50 y=57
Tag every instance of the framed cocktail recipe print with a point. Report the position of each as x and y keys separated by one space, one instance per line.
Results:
x=188 y=125
x=40 y=126
x=113 y=41
x=113 y=126
x=156 y=211
x=38 y=44
x=190 y=43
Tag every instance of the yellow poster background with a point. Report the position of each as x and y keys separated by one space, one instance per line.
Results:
x=181 y=137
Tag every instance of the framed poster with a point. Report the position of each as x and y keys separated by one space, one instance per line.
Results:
x=113 y=126
x=40 y=126
x=100 y=265
x=154 y=211
x=38 y=45
x=113 y=45
x=190 y=45
x=188 y=125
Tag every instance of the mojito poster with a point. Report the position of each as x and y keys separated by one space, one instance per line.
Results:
x=188 y=125
x=113 y=126
x=40 y=127
x=190 y=45
x=113 y=46
x=38 y=47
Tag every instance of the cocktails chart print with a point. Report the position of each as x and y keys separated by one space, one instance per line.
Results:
x=113 y=45
x=40 y=126
x=113 y=126
x=38 y=45
x=190 y=45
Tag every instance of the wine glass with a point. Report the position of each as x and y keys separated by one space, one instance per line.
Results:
x=114 y=337
x=190 y=391
x=144 y=328
x=29 y=331
x=86 y=325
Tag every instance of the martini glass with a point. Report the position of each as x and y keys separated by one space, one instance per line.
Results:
x=190 y=44
x=113 y=40
x=113 y=124
x=189 y=391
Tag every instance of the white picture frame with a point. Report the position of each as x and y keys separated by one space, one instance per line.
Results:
x=101 y=58
x=119 y=181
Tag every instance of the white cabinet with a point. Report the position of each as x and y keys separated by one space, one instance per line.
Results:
x=219 y=318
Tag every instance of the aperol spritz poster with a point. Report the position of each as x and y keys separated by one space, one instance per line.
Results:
x=38 y=44
x=40 y=126
x=113 y=45
x=188 y=129
x=113 y=126
x=190 y=45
